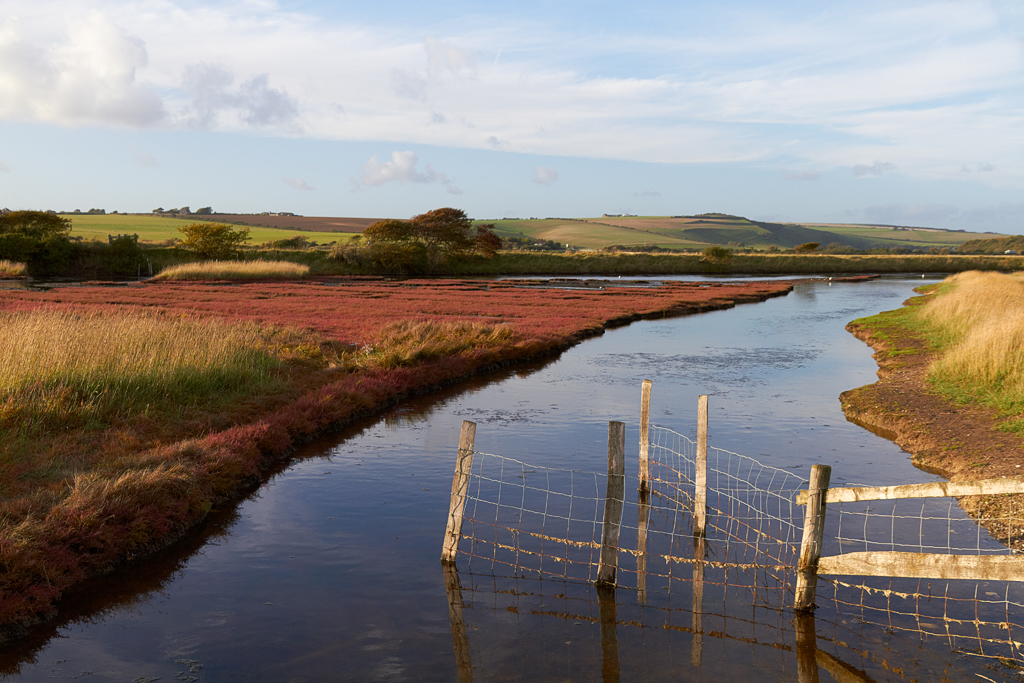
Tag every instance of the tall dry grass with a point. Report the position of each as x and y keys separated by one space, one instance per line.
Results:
x=977 y=321
x=235 y=270
x=60 y=369
x=12 y=268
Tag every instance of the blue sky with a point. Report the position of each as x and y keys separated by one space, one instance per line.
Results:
x=896 y=112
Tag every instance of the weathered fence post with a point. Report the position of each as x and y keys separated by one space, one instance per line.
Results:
x=645 y=442
x=609 y=561
x=810 y=546
x=460 y=482
x=700 y=472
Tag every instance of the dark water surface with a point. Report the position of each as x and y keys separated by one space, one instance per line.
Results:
x=331 y=570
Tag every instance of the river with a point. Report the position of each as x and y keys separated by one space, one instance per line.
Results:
x=330 y=571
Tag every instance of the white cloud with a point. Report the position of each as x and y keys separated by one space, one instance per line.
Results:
x=801 y=175
x=85 y=76
x=298 y=184
x=4 y=168
x=145 y=160
x=402 y=168
x=542 y=175
x=876 y=169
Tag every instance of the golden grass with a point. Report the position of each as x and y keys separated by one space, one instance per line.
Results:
x=234 y=270
x=406 y=343
x=12 y=268
x=66 y=368
x=977 y=320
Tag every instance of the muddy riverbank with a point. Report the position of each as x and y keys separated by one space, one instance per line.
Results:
x=959 y=441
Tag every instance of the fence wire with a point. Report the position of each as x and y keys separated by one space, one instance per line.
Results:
x=532 y=522
x=977 y=618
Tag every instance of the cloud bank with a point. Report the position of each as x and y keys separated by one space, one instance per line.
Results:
x=930 y=87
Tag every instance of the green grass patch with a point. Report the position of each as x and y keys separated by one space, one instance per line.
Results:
x=153 y=229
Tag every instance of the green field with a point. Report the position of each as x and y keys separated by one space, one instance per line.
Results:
x=698 y=232
x=157 y=229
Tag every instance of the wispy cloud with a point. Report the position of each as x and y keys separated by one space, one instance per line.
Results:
x=145 y=160
x=647 y=193
x=543 y=175
x=298 y=184
x=875 y=169
x=4 y=168
x=801 y=175
x=402 y=168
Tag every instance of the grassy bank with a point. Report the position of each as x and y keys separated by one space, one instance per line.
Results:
x=131 y=411
x=951 y=385
x=976 y=323
x=235 y=270
x=12 y=269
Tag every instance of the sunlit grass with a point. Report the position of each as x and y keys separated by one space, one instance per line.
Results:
x=11 y=269
x=60 y=369
x=235 y=270
x=977 y=320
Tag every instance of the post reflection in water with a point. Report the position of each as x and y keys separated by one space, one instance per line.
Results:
x=609 y=637
x=643 y=519
x=460 y=641
x=698 y=600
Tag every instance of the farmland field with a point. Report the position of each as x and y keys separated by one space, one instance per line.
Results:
x=153 y=229
x=697 y=232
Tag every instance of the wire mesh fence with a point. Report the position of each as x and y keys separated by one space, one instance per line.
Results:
x=529 y=521
x=980 y=618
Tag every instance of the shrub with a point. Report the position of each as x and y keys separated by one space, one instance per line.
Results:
x=807 y=247
x=213 y=240
x=716 y=255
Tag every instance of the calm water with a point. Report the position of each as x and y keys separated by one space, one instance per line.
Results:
x=331 y=570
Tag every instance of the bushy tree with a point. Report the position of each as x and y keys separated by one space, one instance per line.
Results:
x=444 y=234
x=807 y=247
x=716 y=255
x=213 y=240
x=38 y=225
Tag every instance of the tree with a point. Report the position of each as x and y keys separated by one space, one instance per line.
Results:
x=716 y=255
x=38 y=225
x=487 y=243
x=807 y=247
x=445 y=232
x=212 y=240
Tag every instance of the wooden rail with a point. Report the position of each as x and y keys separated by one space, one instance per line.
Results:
x=936 y=489
x=925 y=566
x=899 y=564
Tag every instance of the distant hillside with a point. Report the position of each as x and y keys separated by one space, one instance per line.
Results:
x=992 y=246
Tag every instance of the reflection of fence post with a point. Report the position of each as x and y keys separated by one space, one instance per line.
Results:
x=806 y=649
x=463 y=663
x=609 y=637
x=460 y=483
x=810 y=546
x=645 y=441
x=700 y=472
x=612 y=504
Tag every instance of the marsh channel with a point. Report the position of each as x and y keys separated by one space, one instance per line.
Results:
x=330 y=571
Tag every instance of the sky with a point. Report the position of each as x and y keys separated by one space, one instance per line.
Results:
x=906 y=113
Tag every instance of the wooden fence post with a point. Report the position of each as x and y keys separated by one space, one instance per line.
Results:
x=645 y=443
x=460 y=482
x=609 y=561
x=810 y=546
x=700 y=472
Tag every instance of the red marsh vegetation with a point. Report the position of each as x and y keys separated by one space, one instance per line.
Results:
x=128 y=412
